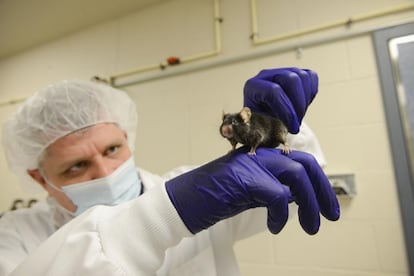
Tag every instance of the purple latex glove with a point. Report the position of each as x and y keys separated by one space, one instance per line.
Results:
x=239 y=181
x=284 y=93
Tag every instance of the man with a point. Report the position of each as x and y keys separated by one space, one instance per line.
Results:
x=75 y=140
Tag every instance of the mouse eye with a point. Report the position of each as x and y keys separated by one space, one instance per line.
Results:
x=234 y=122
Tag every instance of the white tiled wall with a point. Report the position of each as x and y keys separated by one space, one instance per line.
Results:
x=179 y=116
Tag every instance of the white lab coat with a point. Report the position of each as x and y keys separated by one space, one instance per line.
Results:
x=142 y=237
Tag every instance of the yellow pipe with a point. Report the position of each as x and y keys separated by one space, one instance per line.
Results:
x=302 y=32
x=136 y=71
x=323 y=27
x=200 y=56
x=216 y=51
x=253 y=19
x=12 y=102
x=382 y=13
x=218 y=19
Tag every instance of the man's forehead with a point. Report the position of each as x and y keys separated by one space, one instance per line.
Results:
x=100 y=134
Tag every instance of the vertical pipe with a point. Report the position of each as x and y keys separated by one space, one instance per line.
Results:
x=217 y=25
x=253 y=19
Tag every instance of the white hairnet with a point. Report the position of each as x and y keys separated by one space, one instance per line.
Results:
x=58 y=110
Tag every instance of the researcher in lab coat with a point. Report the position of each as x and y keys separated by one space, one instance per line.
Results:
x=105 y=216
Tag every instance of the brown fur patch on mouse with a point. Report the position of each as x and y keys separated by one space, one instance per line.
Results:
x=254 y=130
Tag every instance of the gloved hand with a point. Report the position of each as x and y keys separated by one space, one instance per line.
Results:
x=239 y=181
x=284 y=93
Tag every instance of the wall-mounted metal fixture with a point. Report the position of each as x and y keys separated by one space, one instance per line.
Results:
x=343 y=184
x=347 y=23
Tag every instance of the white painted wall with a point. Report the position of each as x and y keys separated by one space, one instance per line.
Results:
x=179 y=116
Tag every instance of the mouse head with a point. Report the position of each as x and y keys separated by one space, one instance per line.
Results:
x=237 y=118
x=234 y=121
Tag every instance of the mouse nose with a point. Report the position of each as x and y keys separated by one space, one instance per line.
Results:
x=227 y=131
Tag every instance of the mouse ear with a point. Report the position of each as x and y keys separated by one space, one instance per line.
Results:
x=245 y=113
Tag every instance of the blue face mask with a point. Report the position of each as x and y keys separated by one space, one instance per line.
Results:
x=122 y=185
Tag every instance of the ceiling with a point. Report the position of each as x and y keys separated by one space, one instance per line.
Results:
x=27 y=23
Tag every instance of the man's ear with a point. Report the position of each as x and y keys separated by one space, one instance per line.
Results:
x=37 y=176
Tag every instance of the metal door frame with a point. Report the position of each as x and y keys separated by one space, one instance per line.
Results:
x=400 y=151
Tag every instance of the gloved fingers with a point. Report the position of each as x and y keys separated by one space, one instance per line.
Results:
x=307 y=75
x=293 y=87
x=301 y=188
x=294 y=175
x=269 y=192
x=266 y=97
x=314 y=84
x=297 y=86
x=277 y=215
x=309 y=81
x=328 y=202
x=300 y=85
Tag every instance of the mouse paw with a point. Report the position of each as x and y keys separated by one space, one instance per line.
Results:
x=286 y=149
x=252 y=151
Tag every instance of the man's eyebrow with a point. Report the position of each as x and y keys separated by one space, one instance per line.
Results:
x=118 y=142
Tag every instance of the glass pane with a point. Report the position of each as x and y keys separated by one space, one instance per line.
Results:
x=402 y=55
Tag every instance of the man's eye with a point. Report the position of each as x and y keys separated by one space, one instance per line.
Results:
x=77 y=168
x=112 y=150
